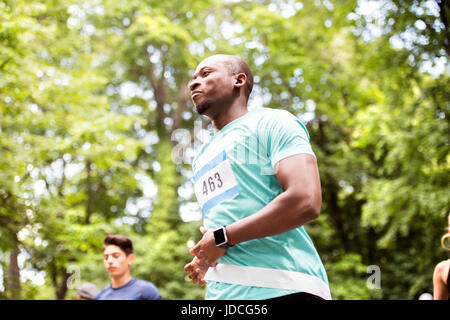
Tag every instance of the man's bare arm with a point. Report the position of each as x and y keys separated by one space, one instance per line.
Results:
x=299 y=204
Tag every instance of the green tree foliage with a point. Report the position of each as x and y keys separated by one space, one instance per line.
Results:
x=94 y=93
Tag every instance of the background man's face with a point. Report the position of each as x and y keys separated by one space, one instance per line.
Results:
x=116 y=261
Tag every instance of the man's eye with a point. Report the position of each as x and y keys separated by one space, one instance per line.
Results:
x=205 y=73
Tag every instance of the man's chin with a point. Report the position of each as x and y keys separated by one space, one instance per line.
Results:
x=202 y=108
x=114 y=273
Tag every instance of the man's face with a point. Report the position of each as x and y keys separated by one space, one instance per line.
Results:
x=211 y=86
x=116 y=261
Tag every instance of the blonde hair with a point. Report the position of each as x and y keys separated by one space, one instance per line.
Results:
x=446 y=235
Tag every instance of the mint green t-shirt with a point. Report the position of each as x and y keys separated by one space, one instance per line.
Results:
x=234 y=177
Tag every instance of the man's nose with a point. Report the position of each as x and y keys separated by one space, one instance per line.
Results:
x=193 y=84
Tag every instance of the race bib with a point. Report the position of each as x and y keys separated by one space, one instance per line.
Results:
x=215 y=182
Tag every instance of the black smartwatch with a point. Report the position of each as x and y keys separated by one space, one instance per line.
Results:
x=220 y=236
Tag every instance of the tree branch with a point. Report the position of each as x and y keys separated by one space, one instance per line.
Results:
x=444 y=7
x=183 y=98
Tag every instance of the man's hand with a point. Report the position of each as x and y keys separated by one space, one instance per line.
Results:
x=206 y=255
x=197 y=270
x=206 y=249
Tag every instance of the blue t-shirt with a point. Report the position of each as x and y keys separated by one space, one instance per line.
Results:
x=136 y=289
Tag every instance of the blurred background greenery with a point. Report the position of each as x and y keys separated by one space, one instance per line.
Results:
x=92 y=93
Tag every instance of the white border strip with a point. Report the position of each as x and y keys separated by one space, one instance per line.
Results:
x=268 y=278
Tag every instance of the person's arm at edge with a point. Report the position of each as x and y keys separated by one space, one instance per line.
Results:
x=439 y=287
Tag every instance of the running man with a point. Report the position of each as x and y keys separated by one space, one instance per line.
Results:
x=257 y=182
x=118 y=257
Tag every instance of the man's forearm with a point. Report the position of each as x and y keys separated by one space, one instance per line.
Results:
x=286 y=212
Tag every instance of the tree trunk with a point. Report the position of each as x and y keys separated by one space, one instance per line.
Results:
x=336 y=214
x=62 y=287
x=89 y=193
x=59 y=273
x=14 y=275
x=444 y=10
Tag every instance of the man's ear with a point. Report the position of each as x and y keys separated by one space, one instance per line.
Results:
x=240 y=79
x=130 y=259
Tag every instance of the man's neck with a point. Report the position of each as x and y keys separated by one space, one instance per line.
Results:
x=120 y=281
x=230 y=114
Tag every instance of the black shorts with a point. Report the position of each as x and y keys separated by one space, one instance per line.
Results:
x=299 y=296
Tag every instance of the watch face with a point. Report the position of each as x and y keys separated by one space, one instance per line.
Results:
x=219 y=236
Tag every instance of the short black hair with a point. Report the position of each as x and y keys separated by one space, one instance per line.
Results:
x=236 y=65
x=124 y=243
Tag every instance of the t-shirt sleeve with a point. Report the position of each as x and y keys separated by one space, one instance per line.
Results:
x=286 y=136
x=150 y=292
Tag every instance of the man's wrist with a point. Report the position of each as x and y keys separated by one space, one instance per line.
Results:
x=229 y=242
x=221 y=238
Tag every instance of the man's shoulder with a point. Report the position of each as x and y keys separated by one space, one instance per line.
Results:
x=442 y=267
x=148 y=289
x=144 y=283
x=271 y=111
x=104 y=292
x=272 y=115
